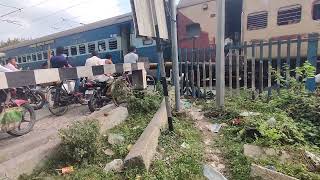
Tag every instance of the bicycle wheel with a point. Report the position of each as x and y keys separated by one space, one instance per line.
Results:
x=55 y=105
x=120 y=91
x=27 y=122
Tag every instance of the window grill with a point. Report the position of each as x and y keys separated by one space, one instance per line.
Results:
x=45 y=55
x=34 y=57
x=258 y=20
x=39 y=56
x=19 y=60
x=91 y=47
x=66 y=51
x=102 y=46
x=74 y=51
x=82 y=49
x=289 y=15
x=316 y=11
x=113 y=44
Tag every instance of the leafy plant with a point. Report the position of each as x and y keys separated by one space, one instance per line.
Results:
x=81 y=142
x=146 y=102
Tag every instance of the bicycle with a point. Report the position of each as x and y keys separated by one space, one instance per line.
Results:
x=17 y=117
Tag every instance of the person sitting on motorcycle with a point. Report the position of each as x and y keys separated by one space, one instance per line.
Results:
x=94 y=60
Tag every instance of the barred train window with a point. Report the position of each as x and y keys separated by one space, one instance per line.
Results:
x=257 y=20
x=39 y=56
x=316 y=11
x=74 y=51
x=66 y=51
x=91 y=47
x=82 y=49
x=19 y=60
x=45 y=55
x=102 y=46
x=34 y=57
x=289 y=15
x=113 y=44
x=28 y=58
x=24 y=59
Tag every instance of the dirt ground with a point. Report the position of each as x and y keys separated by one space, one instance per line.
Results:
x=213 y=157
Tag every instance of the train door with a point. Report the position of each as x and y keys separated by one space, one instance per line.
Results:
x=125 y=39
x=233 y=19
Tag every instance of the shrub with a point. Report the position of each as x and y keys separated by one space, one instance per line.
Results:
x=145 y=102
x=80 y=142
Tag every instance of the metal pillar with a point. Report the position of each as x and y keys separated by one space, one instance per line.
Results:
x=220 y=59
x=174 y=42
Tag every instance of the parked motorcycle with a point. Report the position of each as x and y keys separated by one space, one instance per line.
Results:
x=97 y=93
x=36 y=98
x=60 y=97
x=17 y=117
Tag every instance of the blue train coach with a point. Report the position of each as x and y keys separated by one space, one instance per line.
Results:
x=114 y=36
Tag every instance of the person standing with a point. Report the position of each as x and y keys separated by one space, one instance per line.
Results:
x=108 y=59
x=12 y=64
x=131 y=57
x=59 y=61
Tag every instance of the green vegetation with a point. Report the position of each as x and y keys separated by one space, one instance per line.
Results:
x=82 y=145
x=286 y=121
x=180 y=153
x=175 y=161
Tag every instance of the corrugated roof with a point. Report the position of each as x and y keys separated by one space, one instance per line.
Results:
x=187 y=3
x=95 y=25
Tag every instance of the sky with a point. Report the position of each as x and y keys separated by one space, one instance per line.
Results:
x=38 y=18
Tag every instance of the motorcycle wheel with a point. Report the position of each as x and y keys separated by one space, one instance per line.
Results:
x=27 y=123
x=38 y=100
x=93 y=103
x=56 y=108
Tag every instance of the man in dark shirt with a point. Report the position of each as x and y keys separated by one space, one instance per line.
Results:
x=59 y=61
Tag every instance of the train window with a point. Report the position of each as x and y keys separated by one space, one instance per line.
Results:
x=34 y=57
x=113 y=44
x=102 y=46
x=316 y=11
x=82 y=49
x=45 y=55
x=19 y=60
x=66 y=51
x=91 y=47
x=28 y=58
x=257 y=20
x=24 y=59
x=39 y=56
x=74 y=51
x=289 y=15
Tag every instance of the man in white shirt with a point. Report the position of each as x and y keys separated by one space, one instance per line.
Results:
x=96 y=61
x=131 y=57
x=12 y=64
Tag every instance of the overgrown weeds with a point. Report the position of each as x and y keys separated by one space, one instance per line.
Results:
x=289 y=120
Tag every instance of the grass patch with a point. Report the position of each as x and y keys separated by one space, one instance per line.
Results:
x=174 y=161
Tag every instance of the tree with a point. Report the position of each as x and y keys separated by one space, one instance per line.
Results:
x=11 y=42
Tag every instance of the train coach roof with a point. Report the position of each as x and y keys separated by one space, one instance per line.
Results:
x=91 y=26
